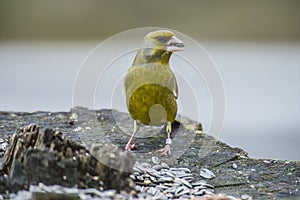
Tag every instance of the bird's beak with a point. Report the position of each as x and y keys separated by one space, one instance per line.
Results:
x=174 y=44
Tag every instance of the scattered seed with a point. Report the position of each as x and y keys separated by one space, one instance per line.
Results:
x=140 y=178
x=246 y=197
x=132 y=177
x=206 y=173
x=181 y=191
x=199 y=192
x=184 y=182
x=234 y=166
x=165 y=165
x=167 y=179
x=155 y=160
x=187 y=170
x=162 y=182
x=199 y=183
x=147 y=182
x=157 y=167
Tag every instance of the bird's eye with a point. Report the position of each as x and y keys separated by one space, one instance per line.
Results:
x=161 y=38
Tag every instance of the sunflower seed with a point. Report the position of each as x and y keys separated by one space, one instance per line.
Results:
x=172 y=190
x=146 y=165
x=155 y=160
x=246 y=197
x=171 y=184
x=162 y=187
x=188 y=178
x=187 y=170
x=206 y=173
x=209 y=192
x=147 y=182
x=234 y=166
x=138 y=188
x=165 y=165
x=169 y=174
x=160 y=196
x=157 y=167
x=184 y=182
x=163 y=171
x=166 y=179
x=136 y=169
x=153 y=191
x=132 y=177
x=146 y=175
x=153 y=173
x=181 y=175
x=153 y=179
x=199 y=192
x=170 y=195
x=200 y=187
x=181 y=191
x=198 y=183
x=208 y=186
x=136 y=173
x=178 y=190
x=140 y=178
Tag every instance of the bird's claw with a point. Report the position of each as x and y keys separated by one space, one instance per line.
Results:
x=130 y=147
x=165 y=151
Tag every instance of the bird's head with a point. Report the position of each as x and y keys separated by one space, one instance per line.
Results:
x=158 y=46
x=163 y=40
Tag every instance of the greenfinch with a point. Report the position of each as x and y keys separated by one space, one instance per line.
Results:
x=150 y=85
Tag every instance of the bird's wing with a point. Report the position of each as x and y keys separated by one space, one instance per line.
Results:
x=128 y=80
x=175 y=88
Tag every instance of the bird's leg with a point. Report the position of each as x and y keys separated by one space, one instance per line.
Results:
x=167 y=149
x=136 y=127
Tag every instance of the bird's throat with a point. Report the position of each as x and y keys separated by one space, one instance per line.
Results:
x=152 y=55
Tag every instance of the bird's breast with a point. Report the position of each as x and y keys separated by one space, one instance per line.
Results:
x=151 y=92
x=152 y=104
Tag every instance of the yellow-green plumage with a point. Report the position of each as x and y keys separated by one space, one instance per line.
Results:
x=150 y=85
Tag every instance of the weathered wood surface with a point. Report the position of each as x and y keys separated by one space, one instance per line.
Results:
x=236 y=173
x=32 y=157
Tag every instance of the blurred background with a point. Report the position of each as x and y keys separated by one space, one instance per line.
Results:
x=255 y=45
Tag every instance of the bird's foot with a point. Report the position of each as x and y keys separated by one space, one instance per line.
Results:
x=165 y=151
x=130 y=147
